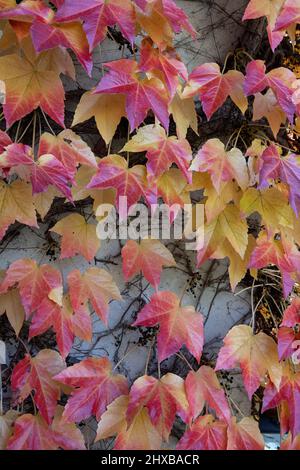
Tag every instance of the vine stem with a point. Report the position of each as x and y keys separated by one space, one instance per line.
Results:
x=226 y=60
x=124 y=357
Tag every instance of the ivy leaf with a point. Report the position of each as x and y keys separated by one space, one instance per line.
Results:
x=289 y=15
x=244 y=435
x=167 y=64
x=95 y=285
x=95 y=387
x=113 y=172
x=10 y=303
x=107 y=110
x=149 y=257
x=36 y=373
x=256 y=355
x=184 y=114
x=281 y=81
x=162 y=150
x=221 y=165
x=202 y=387
x=142 y=94
x=140 y=435
x=66 y=435
x=287 y=332
x=35 y=283
x=204 y=434
x=163 y=398
x=267 y=106
x=16 y=204
x=178 y=325
x=78 y=237
x=287 y=168
x=31 y=83
x=98 y=15
x=214 y=88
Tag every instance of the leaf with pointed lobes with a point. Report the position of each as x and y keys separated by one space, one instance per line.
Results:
x=287 y=333
x=142 y=93
x=16 y=204
x=184 y=114
x=229 y=226
x=255 y=354
x=204 y=434
x=214 y=87
x=286 y=168
x=107 y=109
x=10 y=303
x=148 y=256
x=270 y=9
x=203 y=387
x=140 y=435
x=60 y=318
x=281 y=81
x=48 y=35
x=5 y=140
x=35 y=283
x=163 y=398
x=95 y=285
x=244 y=435
x=30 y=84
x=287 y=393
x=221 y=165
x=161 y=150
x=167 y=64
x=289 y=15
x=36 y=373
x=173 y=189
x=33 y=433
x=78 y=237
x=113 y=172
x=97 y=15
x=95 y=387
x=69 y=149
x=178 y=326
x=267 y=106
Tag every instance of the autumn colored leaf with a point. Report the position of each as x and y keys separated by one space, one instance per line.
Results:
x=10 y=303
x=173 y=189
x=16 y=204
x=290 y=444
x=43 y=201
x=148 y=256
x=214 y=87
x=113 y=172
x=184 y=114
x=286 y=168
x=140 y=435
x=202 y=387
x=98 y=15
x=5 y=140
x=78 y=237
x=178 y=325
x=35 y=283
x=142 y=94
x=289 y=15
x=6 y=427
x=204 y=434
x=106 y=108
x=36 y=373
x=255 y=354
x=221 y=165
x=167 y=64
x=244 y=435
x=31 y=83
x=66 y=435
x=280 y=80
x=288 y=391
x=95 y=387
x=163 y=398
x=95 y=285
x=162 y=150
x=267 y=106
x=287 y=333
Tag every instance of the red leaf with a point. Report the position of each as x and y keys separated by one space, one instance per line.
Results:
x=203 y=387
x=178 y=325
x=244 y=435
x=31 y=433
x=289 y=15
x=36 y=373
x=149 y=257
x=204 y=434
x=95 y=388
x=142 y=94
x=98 y=15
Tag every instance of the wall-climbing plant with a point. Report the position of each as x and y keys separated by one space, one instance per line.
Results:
x=152 y=90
